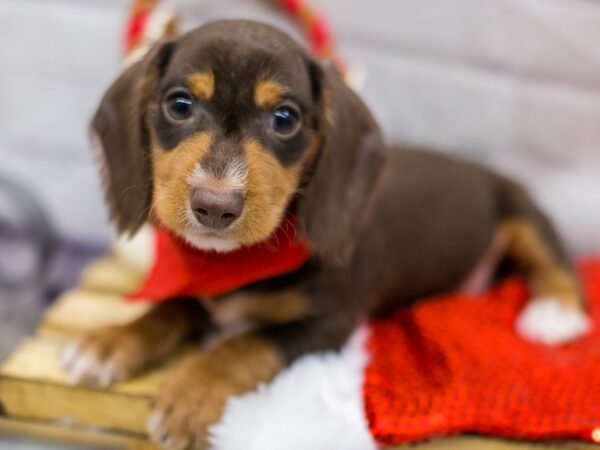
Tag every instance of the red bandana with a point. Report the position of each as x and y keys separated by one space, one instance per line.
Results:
x=455 y=364
x=181 y=270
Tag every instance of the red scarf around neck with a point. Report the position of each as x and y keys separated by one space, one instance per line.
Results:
x=180 y=270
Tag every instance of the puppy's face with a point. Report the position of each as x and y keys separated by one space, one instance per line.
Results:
x=213 y=134
x=232 y=123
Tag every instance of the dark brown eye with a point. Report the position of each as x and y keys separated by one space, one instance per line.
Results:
x=179 y=106
x=286 y=121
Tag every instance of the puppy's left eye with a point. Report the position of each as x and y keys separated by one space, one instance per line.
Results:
x=286 y=121
x=179 y=106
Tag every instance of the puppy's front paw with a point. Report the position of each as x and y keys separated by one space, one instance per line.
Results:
x=549 y=321
x=105 y=356
x=192 y=399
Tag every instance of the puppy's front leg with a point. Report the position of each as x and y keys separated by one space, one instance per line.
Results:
x=111 y=354
x=195 y=393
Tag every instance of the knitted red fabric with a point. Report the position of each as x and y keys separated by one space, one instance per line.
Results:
x=454 y=364
x=181 y=270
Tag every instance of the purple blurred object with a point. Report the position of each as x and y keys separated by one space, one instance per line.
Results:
x=35 y=264
x=27 y=241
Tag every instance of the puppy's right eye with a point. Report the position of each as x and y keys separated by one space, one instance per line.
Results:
x=179 y=106
x=286 y=121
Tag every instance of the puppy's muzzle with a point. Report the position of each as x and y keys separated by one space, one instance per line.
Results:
x=216 y=209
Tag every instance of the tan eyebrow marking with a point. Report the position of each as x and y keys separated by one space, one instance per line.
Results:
x=202 y=84
x=267 y=93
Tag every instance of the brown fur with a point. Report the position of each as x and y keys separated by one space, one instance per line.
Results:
x=386 y=225
x=202 y=84
x=260 y=307
x=195 y=393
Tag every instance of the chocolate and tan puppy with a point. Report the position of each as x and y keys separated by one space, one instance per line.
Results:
x=216 y=135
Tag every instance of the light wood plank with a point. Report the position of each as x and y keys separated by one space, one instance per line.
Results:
x=81 y=310
x=37 y=359
x=73 y=435
x=33 y=386
x=110 y=275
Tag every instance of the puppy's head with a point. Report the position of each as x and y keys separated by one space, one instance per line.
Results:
x=214 y=134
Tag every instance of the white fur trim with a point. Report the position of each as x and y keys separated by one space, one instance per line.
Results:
x=158 y=22
x=356 y=77
x=549 y=321
x=315 y=404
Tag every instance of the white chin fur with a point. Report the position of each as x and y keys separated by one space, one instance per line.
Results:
x=548 y=321
x=221 y=245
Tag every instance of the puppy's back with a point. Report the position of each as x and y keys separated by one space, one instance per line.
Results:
x=434 y=218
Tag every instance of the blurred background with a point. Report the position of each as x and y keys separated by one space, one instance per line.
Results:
x=513 y=84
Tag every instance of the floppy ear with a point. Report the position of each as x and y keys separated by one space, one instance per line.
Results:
x=350 y=161
x=119 y=130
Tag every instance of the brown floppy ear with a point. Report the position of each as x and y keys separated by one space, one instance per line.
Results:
x=350 y=161
x=119 y=130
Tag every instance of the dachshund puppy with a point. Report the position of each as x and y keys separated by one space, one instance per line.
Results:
x=222 y=133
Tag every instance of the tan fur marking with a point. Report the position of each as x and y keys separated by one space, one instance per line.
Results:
x=196 y=390
x=267 y=93
x=277 y=307
x=202 y=85
x=171 y=172
x=269 y=188
x=547 y=277
x=247 y=359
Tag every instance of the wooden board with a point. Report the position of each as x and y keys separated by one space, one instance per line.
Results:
x=35 y=394
x=37 y=399
x=34 y=387
x=61 y=434
x=110 y=275
x=83 y=310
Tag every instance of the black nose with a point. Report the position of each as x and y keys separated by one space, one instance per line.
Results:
x=216 y=209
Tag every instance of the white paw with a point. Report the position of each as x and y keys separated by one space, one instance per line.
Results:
x=84 y=365
x=549 y=321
